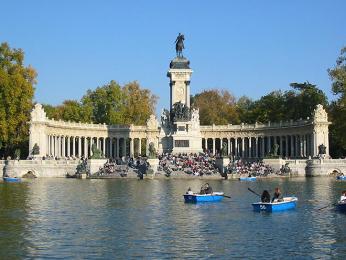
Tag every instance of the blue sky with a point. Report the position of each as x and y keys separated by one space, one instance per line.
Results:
x=247 y=47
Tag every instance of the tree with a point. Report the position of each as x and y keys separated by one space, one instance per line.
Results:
x=110 y=104
x=16 y=94
x=294 y=104
x=139 y=104
x=105 y=104
x=337 y=109
x=216 y=107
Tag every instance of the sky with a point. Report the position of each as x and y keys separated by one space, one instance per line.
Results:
x=246 y=47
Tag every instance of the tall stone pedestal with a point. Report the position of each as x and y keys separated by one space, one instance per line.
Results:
x=153 y=165
x=95 y=164
x=221 y=164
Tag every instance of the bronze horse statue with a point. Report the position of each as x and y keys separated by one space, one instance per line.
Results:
x=179 y=45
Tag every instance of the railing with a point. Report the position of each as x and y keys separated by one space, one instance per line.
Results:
x=259 y=126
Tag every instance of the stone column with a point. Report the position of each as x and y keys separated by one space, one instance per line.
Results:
x=236 y=147
x=54 y=145
x=228 y=146
x=281 y=146
x=269 y=144
x=242 y=147
x=132 y=147
x=213 y=146
x=104 y=146
x=286 y=146
x=48 y=144
x=250 y=148
x=59 y=147
x=68 y=145
x=110 y=155
x=92 y=142
x=85 y=147
x=62 y=146
x=79 y=147
x=140 y=146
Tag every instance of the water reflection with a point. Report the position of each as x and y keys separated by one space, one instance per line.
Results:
x=97 y=219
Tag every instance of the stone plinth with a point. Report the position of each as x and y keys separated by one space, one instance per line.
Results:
x=153 y=164
x=94 y=165
x=221 y=163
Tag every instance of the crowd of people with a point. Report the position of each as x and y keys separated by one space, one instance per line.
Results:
x=190 y=164
x=256 y=168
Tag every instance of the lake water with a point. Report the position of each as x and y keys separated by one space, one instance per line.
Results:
x=126 y=219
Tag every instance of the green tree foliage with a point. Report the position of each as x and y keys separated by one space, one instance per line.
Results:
x=16 y=94
x=216 y=107
x=110 y=104
x=338 y=107
x=139 y=104
x=106 y=104
x=277 y=105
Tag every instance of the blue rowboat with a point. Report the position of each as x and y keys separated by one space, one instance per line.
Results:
x=341 y=206
x=247 y=178
x=195 y=197
x=12 y=179
x=341 y=178
x=285 y=204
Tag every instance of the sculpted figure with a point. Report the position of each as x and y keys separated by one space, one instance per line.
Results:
x=275 y=149
x=224 y=149
x=179 y=45
x=152 y=150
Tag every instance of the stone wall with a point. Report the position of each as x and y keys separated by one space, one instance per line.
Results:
x=41 y=168
x=325 y=167
x=2 y=166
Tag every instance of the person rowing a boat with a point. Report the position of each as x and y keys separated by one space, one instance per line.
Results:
x=189 y=191
x=206 y=189
x=265 y=197
x=277 y=195
x=343 y=196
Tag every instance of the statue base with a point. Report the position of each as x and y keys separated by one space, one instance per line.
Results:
x=94 y=165
x=153 y=165
x=222 y=163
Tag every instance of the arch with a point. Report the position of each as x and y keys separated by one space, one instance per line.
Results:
x=29 y=174
x=335 y=172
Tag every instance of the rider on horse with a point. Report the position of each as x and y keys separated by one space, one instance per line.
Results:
x=179 y=45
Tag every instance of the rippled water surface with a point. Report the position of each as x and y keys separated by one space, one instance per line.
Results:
x=126 y=219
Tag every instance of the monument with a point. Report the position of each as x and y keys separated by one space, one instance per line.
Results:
x=180 y=126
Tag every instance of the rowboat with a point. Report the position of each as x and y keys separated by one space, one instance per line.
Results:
x=247 y=178
x=284 y=204
x=341 y=178
x=341 y=206
x=11 y=179
x=196 y=197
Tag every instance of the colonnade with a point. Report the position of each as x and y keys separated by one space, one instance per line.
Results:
x=61 y=146
x=288 y=146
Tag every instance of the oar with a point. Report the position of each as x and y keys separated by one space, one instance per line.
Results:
x=254 y=192
x=226 y=196
x=328 y=206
